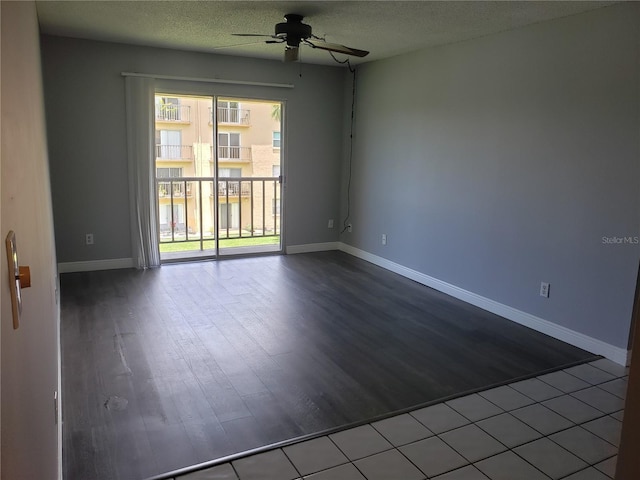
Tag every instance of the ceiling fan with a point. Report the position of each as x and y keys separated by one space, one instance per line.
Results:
x=294 y=33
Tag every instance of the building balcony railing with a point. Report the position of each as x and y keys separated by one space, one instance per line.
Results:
x=174 y=152
x=232 y=116
x=234 y=187
x=175 y=189
x=235 y=154
x=173 y=113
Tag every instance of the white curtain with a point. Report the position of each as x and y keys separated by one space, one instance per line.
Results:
x=142 y=190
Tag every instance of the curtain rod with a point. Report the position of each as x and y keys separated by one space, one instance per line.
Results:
x=207 y=80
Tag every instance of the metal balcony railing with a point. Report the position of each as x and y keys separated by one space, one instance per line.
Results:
x=183 y=201
x=232 y=116
x=238 y=154
x=169 y=112
x=174 y=152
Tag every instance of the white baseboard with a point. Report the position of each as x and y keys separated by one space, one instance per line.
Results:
x=312 y=247
x=93 y=265
x=577 y=339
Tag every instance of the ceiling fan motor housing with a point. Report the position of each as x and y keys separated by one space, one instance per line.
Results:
x=293 y=30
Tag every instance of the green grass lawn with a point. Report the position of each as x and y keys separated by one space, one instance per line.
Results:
x=224 y=243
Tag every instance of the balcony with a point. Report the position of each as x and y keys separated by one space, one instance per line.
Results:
x=234 y=188
x=174 y=152
x=169 y=112
x=233 y=154
x=232 y=116
x=174 y=189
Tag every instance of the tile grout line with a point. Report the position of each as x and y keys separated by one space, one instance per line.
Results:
x=397 y=447
x=291 y=462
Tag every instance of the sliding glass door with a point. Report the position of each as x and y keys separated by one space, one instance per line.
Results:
x=218 y=163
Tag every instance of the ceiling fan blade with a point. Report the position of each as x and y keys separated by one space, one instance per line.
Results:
x=245 y=44
x=334 y=47
x=253 y=35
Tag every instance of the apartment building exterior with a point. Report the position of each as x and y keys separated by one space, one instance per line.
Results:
x=248 y=146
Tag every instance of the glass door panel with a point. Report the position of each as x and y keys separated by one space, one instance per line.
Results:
x=249 y=193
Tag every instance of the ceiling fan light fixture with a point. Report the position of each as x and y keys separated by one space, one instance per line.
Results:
x=291 y=54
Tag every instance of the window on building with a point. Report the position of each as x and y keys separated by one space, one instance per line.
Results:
x=171 y=218
x=275 y=206
x=168 y=108
x=276 y=140
x=229 y=172
x=169 y=144
x=228 y=112
x=168 y=172
x=228 y=145
x=275 y=170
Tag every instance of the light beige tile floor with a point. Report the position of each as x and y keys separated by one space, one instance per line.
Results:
x=564 y=425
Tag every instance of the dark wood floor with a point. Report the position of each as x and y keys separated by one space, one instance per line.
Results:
x=171 y=367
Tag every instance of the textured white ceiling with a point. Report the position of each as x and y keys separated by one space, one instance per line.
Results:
x=385 y=28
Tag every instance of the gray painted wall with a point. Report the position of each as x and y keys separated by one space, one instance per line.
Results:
x=84 y=95
x=30 y=436
x=501 y=162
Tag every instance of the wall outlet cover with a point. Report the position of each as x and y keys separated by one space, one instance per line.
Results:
x=544 y=289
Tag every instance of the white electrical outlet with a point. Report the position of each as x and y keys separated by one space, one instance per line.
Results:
x=330 y=223
x=544 y=289
x=88 y=239
x=384 y=238
x=349 y=228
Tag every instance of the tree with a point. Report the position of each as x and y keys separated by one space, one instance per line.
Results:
x=276 y=111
